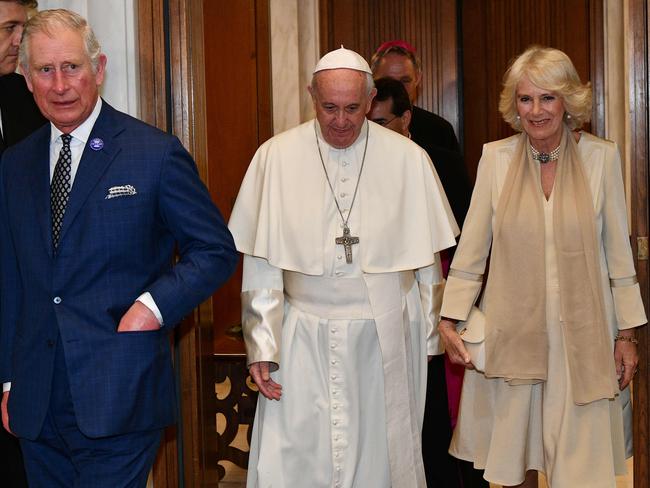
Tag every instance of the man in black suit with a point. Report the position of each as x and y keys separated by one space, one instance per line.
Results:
x=398 y=60
x=19 y=117
x=391 y=108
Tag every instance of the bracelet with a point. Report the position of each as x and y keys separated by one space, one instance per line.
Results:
x=631 y=339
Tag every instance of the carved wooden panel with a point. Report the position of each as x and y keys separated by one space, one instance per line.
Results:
x=236 y=401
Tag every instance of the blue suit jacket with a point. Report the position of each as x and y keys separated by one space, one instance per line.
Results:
x=111 y=250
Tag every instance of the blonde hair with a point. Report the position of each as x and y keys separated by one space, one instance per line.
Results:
x=549 y=69
x=48 y=22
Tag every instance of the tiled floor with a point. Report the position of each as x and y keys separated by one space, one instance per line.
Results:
x=238 y=478
x=621 y=481
x=235 y=476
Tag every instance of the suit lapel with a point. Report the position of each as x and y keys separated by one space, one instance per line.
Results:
x=40 y=184
x=93 y=164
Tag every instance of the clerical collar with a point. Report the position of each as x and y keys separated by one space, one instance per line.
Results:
x=360 y=138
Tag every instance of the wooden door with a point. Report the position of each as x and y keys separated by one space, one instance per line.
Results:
x=493 y=32
x=205 y=76
x=429 y=25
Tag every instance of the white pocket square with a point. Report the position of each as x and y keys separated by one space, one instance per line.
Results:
x=120 y=191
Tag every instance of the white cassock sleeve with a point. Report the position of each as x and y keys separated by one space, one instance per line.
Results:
x=262 y=301
x=432 y=285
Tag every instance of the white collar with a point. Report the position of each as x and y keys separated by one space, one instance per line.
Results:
x=81 y=133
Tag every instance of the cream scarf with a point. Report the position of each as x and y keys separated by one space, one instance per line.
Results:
x=515 y=302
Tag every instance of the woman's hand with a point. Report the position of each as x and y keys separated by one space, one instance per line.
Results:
x=454 y=344
x=625 y=358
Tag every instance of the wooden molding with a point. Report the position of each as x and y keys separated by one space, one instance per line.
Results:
x=151 y=56
x=597 y=66
x=639 y=63
x=172 y=90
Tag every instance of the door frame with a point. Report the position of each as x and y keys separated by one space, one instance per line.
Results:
x=172 y=87
x=639 y=62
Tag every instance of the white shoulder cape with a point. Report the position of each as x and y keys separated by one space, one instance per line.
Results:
x=404 y=214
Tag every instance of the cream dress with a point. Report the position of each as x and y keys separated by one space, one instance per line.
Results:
x=507 y=430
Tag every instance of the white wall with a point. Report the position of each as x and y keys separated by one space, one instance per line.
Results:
x=294 y=53
x=114 y=24
x=617 y=118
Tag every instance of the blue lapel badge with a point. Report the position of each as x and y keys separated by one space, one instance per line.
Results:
x=96 y=144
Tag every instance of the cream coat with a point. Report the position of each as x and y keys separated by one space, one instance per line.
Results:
x=543 y=424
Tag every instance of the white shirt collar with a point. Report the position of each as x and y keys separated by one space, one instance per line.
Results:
x=81 y=133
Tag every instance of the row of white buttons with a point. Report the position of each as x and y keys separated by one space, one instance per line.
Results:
x=337 y=422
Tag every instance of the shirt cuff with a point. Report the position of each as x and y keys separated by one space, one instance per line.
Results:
x=147 y=300
x=6 y=386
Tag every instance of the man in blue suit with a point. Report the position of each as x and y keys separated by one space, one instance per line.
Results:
x=92 y=207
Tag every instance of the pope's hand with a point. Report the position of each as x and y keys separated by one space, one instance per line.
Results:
x=454 y=345
x=138 y=318
x=262 y=378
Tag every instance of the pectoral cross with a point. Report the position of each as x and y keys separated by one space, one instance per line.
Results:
x=346 y=240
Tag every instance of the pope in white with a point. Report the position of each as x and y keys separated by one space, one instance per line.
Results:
x=340 y=222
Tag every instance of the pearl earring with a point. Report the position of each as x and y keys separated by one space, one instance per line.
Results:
x=518 y=117
x=568 y=116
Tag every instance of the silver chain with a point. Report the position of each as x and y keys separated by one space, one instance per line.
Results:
x=327 y=177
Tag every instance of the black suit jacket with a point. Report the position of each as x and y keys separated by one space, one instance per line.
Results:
x=20 y=115
x=436 y=136
x=453 y=176
x=429 y=128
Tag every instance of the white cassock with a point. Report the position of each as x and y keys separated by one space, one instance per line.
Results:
x=350 y=339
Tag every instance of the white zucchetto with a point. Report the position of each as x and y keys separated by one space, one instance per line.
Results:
x=342 y=59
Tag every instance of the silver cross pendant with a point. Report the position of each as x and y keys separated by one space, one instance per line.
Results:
x=346 y=240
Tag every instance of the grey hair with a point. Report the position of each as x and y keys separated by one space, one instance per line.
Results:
x=379 y=55
x=370 y=82
x=48 y=21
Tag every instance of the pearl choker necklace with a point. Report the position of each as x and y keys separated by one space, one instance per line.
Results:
x=545 y=157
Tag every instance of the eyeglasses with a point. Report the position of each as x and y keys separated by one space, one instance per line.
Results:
x=384 y=122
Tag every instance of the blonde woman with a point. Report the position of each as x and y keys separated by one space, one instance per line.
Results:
x=561 y=301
